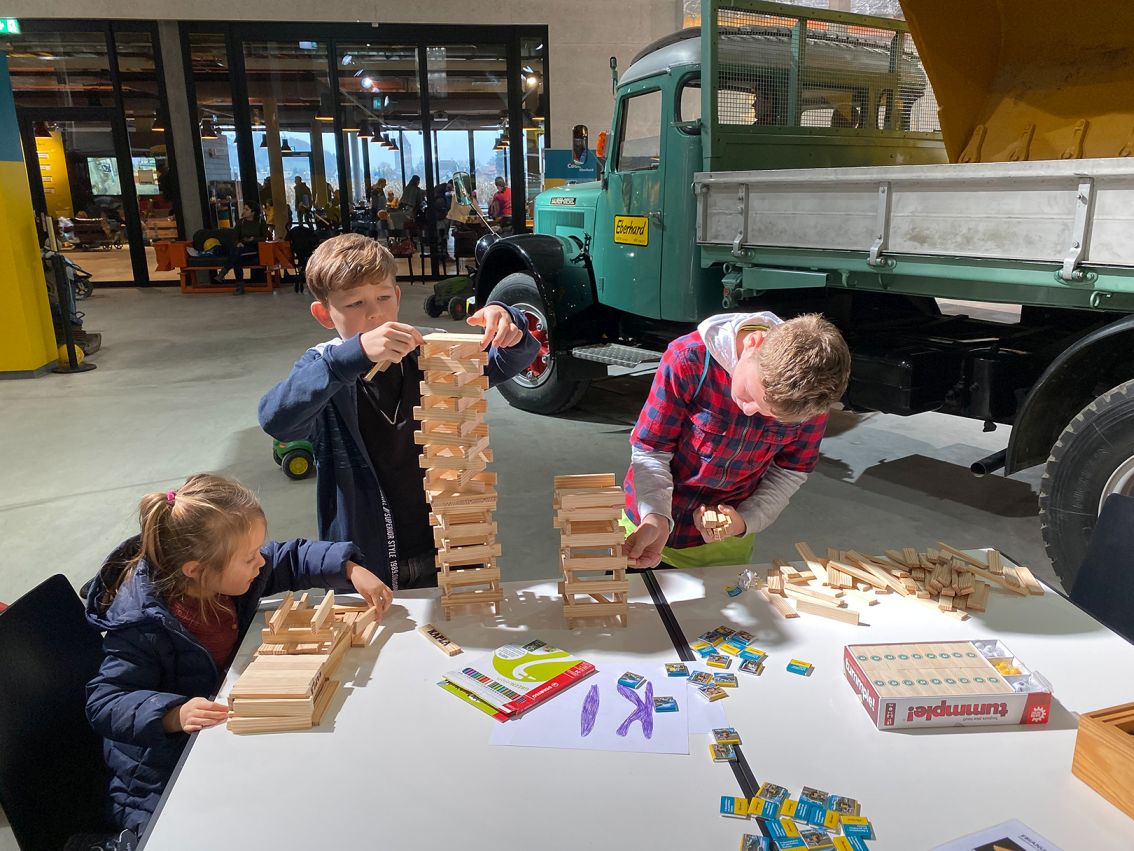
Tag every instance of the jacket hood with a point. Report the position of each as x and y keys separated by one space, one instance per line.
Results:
x=136 y=600
x=720 y=331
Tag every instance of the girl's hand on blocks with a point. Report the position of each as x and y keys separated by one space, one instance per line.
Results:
x=390 y=342
x=195 y=714
x=722 y=522
x=643 y=548
x=499 y=329
x=376 y=592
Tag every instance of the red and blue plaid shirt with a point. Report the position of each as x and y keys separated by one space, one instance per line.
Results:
x=719 y=453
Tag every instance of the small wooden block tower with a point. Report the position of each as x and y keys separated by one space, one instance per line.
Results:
x=587 y=509
x=461 y=493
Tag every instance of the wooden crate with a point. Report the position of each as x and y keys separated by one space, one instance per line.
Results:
x=1104 y=754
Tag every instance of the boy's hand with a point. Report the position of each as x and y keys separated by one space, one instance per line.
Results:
x=376 y=592
x=390 y=342
x=643 y=548
x=195 y=714
x=733 y=527
x=499 y=329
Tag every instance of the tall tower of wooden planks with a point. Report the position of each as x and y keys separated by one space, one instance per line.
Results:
x=460 y=491
x=587 y=509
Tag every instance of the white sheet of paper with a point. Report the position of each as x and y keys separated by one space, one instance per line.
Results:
x=556 y=724
x=1010 y=834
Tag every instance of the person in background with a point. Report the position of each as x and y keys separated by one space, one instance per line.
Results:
x=501 y=203
x=302 y=200
x=413 y=199
x=251 y=230
x=175 y=602
x=378 y=205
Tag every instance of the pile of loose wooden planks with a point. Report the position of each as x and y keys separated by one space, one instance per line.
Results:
x=461 y=493
x=953 y=581
x=288 y=684
x=594 y=581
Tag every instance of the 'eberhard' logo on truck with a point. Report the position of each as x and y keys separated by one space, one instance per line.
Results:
x=632 y=230
x=945 y=709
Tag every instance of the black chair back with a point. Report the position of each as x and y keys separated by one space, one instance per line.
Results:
x=1104 y=586
x=53 y=780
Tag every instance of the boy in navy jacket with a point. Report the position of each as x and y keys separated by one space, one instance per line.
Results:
x=369 y=483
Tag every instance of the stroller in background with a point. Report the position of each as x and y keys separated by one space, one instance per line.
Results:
x=78 y=282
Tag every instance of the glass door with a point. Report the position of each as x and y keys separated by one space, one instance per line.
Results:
x=83 y=178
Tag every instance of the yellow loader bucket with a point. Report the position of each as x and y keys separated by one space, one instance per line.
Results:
x=1029 y=79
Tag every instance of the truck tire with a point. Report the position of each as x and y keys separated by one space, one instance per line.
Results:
x=540 y=388
x=1093 y=458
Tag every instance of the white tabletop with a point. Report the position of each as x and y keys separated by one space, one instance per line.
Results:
x=400 y=764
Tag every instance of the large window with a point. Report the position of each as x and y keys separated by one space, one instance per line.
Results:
x=91 y=107
x=216 y=128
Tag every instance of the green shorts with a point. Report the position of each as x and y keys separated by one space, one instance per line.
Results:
x=732 y=550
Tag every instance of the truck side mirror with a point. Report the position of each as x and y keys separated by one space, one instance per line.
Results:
x=579 y=138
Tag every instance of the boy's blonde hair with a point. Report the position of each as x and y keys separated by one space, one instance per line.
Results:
x=348 y=261
x=805 y=366
x=202 y=521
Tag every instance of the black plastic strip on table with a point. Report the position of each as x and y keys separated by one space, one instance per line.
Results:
x=740 y=768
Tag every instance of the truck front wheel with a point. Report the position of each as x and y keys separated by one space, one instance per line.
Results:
x=540 y=387
x=1093 y=458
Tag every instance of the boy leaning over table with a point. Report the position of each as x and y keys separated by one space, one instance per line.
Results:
x=732 y=424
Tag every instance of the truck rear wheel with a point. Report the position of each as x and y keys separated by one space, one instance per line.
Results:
x=540 y=387
x=1093 y=458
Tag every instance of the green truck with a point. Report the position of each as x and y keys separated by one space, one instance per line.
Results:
x=794 y=160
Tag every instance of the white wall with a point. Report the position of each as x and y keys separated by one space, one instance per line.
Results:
x=584 y=34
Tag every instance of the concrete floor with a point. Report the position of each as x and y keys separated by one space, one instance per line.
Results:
x=176 y=389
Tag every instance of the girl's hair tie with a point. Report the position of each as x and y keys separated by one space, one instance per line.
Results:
x=170 y=496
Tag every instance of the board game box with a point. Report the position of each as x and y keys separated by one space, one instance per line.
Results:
x=945 y=684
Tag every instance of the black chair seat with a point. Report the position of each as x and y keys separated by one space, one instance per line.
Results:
x=53 y=780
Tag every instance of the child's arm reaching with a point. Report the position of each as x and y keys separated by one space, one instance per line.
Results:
x=298 y=564
x=122 y=701
x=511 y=346
x=290 y=409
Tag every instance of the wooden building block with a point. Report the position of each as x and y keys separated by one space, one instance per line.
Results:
x=276 y=621
x=324 y=611
x=780 y=604
x=775 y=582
x=995 y=563
x=1028 y=580
x=978 y=599
x=445 y=644
x=814 y=607
x=806 y=592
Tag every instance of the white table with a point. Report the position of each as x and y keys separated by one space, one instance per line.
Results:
x=400 y=764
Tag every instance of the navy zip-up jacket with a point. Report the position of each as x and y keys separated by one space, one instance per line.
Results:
x=318 y=402
x=152 y=663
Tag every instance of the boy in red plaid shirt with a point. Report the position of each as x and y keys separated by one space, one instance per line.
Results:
x=733 y=424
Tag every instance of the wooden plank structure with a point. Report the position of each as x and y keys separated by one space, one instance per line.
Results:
x=460 y=490
x=288 y=684
x=1104 y=754
x=587 y=510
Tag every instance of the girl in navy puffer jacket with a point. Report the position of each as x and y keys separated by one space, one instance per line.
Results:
x=175 y=603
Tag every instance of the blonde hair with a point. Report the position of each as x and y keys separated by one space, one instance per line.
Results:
x=201 y=521
x=348 y=261
x=805 y=366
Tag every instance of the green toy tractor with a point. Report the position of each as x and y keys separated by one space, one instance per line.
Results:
x=296 y=457
x=451 y=294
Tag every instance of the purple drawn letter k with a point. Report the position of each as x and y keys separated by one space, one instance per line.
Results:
x=643 y=710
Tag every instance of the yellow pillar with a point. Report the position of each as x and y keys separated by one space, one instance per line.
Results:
x=27 y=338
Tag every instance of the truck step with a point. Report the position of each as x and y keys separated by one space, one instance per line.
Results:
x=616 y=354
